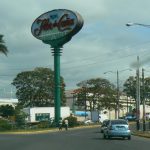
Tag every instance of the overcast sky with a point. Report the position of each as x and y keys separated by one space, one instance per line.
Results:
x=104 y=43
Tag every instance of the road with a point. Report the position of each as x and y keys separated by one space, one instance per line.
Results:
x=80 y=139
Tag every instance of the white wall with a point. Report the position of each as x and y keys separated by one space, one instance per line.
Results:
x=65 y=112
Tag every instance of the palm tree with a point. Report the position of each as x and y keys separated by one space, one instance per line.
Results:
x=3 y=48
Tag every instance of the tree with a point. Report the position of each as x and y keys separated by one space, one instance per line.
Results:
x=20 y=116
x=36 y=88
x=3 y=48
x=147 y=89
x=6 y=111
x=99 y=93
x=130 y=87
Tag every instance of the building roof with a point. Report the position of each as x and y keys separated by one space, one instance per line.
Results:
x=8 y=101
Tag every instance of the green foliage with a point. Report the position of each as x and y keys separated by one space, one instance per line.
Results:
x=3 y=48
x=36 y=88
x=72 y=121
x=147 y=88
x=6 y=111
x=130 y=87
x=99 y=93
x=44 y=124
x=4 y=125
x=20 y=117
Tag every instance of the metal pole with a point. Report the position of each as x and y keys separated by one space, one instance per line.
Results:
x=117 y=94
x=73 y=104
x=57 y=52
x=138 y=95
x=85 y=103
x=127 y=105
x=143 y=98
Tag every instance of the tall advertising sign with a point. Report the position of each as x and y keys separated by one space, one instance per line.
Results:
x=56 y=28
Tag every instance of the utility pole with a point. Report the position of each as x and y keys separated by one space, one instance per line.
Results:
x=117 y=94
x=138 y=95
x=143 y=99
x=117 y=112
x=85 y=101
x=73 y=104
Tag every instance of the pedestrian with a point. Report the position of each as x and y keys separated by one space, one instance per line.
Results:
x=60 y=124
x=66 y=124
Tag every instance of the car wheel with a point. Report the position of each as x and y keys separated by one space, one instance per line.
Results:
x=108 y=137
x=129 y=137
x=104 y=136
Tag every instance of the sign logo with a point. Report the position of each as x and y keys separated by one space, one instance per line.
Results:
x=56 y=24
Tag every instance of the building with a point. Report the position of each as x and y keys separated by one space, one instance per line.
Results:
x=128 y=104
x=8 y=101
x=37 y=114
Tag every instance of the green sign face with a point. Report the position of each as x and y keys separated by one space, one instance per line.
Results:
x=42 y=117
x=56 y=24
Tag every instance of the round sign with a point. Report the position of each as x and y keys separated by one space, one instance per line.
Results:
x=56 y=25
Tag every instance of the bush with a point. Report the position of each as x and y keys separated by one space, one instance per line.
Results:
x=72 y=121
x=5 y=125
x=44 y=124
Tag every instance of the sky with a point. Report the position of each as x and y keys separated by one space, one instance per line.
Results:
x=104 y=44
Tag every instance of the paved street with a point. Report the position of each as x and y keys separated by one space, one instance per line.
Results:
x=81 y=139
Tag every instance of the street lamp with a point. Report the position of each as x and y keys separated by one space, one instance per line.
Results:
x=118 y=96
x=139 y=24
x=138 y=85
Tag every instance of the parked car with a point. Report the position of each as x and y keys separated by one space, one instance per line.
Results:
x=117 y=128
x=104 y=125
x=87 y=122
x=130 y=117
x=147 y=116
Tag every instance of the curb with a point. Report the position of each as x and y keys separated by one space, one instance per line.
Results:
x=145 y=135
x=45 y=131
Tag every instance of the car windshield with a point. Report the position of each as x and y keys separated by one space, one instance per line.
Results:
x=119 y=122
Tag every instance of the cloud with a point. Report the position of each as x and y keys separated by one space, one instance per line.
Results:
x=103 y=44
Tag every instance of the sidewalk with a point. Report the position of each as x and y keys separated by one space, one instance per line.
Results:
x=141 y=133
x=145 y=134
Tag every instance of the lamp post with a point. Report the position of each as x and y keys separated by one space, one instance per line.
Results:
x=138 y=85
x=138 y=94
x=117 y=112
x=73 y=102
x=143 y=99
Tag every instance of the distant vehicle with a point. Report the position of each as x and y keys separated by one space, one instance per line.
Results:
x=130 y=117
x=104 y=125
x=147 y=116
x=87 y=122
x=117 y=128
x=81 y=113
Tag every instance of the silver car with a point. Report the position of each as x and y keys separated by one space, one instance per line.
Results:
x=117 y=128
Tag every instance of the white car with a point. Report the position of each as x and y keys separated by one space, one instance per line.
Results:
x=87 y=122
x=147 y=116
